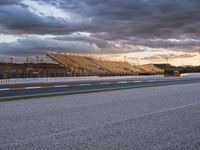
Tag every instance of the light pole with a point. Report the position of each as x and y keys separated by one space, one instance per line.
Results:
x=11 y=65
x=11 y=60
x=166 y=61
x=124 y=58
x=38 y=59
x=26 y=67
x=26 y=59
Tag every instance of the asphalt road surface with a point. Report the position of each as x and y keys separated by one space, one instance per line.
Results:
x=154 y=118
x=49 y=89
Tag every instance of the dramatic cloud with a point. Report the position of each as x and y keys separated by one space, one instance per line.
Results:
x=9 y=2
x=105 y=26
x=37 y=46
x=119 y=19
x=18 y=19
x=171 y=56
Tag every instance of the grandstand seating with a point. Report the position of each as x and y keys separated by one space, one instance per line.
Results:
x=91 y=66
x=151 y=68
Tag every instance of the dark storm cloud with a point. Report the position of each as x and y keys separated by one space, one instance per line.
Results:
x=73 y=43
x=171 y=56
x=35 y=46
x=9 y=2
x=100 y=43
x=164 y=43
x=142 y=18
x=18 y=19
x=187 y=45
x=114 y=25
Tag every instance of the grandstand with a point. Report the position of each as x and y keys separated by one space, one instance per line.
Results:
x=86 y=65
x=150 y=68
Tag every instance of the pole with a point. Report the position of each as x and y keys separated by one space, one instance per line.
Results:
x=27 y=67
x=166 y=61
x=38 y=59
x=10 y=67
x=11 y=60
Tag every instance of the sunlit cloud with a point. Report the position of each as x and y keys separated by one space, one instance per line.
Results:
x=42 y=8
x=135 y=29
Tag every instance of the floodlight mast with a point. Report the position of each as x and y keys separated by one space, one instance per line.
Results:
x=166 y=61
x=11 y=60
x=124 y=58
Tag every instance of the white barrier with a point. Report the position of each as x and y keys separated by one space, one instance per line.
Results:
x=67 y=79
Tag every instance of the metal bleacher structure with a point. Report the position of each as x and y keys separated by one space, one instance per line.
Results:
x=79 y=65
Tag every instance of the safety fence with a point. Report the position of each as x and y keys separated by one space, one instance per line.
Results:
x=68 y=79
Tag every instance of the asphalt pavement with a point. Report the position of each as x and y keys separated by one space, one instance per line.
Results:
x=154 y=118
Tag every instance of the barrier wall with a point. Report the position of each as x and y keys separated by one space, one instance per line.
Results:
x=68 y=79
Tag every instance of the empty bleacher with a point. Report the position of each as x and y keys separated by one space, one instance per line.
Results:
x=85 y=65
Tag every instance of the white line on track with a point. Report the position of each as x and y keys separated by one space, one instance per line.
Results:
x=83 y=84
x=122 y=82
x=57 y=86
x=137 y=81
x=104 y=83
x=35 y=87
x=150 y=80
x=5 y=89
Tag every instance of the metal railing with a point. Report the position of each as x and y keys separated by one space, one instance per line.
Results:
x=68 y=79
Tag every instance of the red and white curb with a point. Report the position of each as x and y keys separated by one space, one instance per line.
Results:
x=67 y=85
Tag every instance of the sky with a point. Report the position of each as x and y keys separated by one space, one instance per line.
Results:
x=144 y=31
